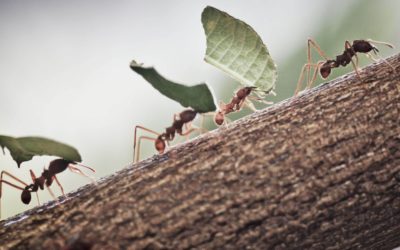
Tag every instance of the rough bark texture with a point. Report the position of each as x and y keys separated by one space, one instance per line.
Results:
x=318 y=171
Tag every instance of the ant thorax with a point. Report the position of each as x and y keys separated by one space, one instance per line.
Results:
x=39 y=183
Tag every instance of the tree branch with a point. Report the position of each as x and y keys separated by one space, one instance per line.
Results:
x=319 y=171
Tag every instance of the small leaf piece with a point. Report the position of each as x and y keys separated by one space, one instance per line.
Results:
x=198 y=97
x=234 y=47
x=25 y=148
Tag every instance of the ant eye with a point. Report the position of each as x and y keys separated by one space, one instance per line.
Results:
x=26 y=196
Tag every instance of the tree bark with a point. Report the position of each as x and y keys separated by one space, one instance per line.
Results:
x=317 y=171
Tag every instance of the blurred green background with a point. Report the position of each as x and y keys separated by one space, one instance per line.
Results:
x=64 y=67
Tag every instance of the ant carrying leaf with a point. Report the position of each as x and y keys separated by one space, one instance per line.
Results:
x=235 y=48
x=25 y=148
x=197 y=98
x=45 y=180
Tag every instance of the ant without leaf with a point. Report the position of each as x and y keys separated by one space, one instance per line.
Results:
x=181 y=119
x=325 y=67
x=45 y=180
x=241 y=98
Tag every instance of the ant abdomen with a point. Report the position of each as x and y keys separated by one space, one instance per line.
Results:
x=26 y=196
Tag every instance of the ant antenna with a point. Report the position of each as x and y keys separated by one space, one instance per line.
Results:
x=380 y=42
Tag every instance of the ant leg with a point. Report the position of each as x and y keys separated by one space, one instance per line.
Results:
x=311 y=43
x=370 y=56
x=134 y=140
x=77 y=171
x=201 y=127
x=257 y=99
x=51 y=193
x=33 y=181
x=189 y=131
x=188 y=127
x=348 y=45
x=249 y=105
x=59 y=184
x=37 y=197
x=137 y=156
x=212 y=114
x=301 y=77
x=11 y=176
x=196 y=128
x=319 y=64
x=32 y=175
x=272 y=92
x=8 y=183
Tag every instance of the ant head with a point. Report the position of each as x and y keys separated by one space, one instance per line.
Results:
x=160 y=145
x=325 y=69
x=364 y=46
x=243 y=92
x=219 y=118
x=26 y=196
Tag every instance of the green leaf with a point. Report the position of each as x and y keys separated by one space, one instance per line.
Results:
x=198 y=97
x=234 y=47
x=25 y=148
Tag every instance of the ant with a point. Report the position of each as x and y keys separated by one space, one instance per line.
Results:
x=350 y=51
x=179 y=120
x=241 y=98
x=45 y=180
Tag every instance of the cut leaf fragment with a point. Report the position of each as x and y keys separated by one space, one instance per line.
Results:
x=25 y=148
x=234 y=47
x=198 y=97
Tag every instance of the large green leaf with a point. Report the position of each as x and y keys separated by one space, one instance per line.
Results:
x=198 y=97
x=25 y=148
x=234 y=47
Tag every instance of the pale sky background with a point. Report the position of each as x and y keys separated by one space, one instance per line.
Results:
x=64 y=69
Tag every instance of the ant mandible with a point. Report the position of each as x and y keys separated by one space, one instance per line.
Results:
x=325 y=67
x=45 y=180
x=181 y=119
x=241 y=98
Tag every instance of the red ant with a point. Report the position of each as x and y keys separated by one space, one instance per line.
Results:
x=183 y=118
x=325 y=67
x=45 y=180
x=240 y=99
